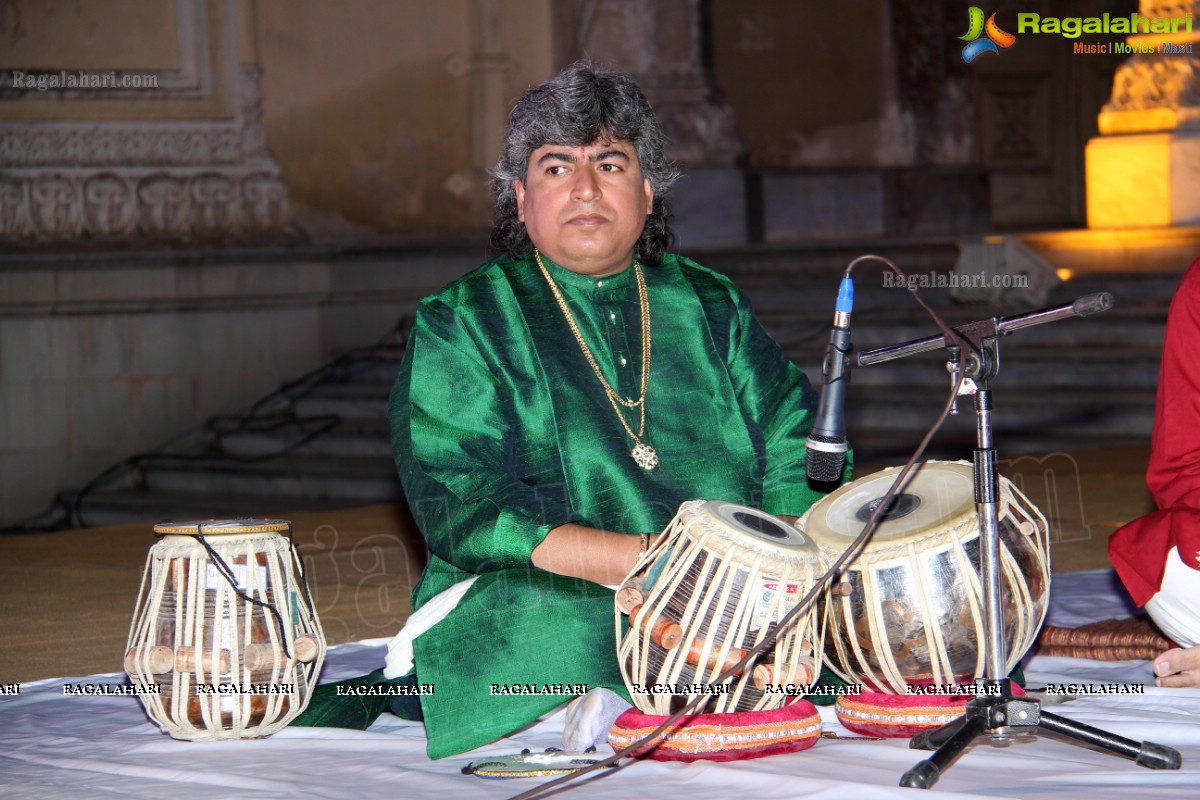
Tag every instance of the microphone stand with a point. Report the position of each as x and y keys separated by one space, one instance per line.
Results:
x=994 y=711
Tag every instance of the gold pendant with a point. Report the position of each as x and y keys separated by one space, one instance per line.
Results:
x=645 y=456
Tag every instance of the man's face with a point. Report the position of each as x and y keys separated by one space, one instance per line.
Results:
x=585 y=207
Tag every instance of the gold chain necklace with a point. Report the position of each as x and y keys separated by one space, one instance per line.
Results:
x=642 y=453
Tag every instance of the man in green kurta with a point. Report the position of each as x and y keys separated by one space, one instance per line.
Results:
x=557 y=404
x=515 y=456
x=502 y=433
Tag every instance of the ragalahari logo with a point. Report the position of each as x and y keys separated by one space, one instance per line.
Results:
x=996 y=38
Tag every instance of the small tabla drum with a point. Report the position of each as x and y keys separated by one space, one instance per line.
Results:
x=715 y=584
x=224 y=638
x=909 y=609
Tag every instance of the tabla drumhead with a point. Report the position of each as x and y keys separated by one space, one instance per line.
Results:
x=756 y=531
x=938 y=496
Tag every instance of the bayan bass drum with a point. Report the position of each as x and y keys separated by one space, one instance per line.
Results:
x=909 y=609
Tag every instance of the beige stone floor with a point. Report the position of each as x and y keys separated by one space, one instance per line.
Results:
x=66 y=599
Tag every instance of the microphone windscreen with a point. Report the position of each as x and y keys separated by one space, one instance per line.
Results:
x=824 y=466
x=1093 y=304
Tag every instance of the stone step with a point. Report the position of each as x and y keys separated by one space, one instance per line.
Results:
x=884 y=448
x=119 y=507
x=888 y=325
x=823 y=265
x=884 y=434
x=352 y=479
x=348 y=437
x=373 y=367
x=1021 y=371
x=1026 y=413
x=348 y=401
x=782 y=306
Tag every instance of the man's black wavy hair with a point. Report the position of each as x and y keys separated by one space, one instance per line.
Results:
x=579 y=106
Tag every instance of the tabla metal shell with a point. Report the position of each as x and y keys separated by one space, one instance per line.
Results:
x=191 y=631
x=914 y=610
x=695 y=576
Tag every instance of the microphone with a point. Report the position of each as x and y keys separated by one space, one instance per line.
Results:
x=827 y=440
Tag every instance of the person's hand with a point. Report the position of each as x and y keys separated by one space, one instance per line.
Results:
x=1178 y=668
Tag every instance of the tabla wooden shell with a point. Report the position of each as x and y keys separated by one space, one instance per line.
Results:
x=909 y=609
x=225 y=666
x=714 y=585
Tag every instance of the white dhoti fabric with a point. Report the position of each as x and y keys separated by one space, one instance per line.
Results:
x=1176 y=607
x=400 y=649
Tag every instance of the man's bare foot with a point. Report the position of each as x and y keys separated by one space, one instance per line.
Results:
x=1178 y=668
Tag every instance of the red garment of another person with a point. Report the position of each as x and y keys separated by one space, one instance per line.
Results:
x=1139 y=550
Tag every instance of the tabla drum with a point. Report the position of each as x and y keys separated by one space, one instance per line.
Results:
x=909 y=609
x=224 y=643
x=714 y=585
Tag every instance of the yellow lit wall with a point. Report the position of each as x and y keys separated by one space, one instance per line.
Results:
x=1129 y=181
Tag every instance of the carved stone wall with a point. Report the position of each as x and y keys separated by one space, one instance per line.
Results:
x=67 y=181
x=118 y=181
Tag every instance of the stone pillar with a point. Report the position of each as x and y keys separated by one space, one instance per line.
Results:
x=486 y=68
x=1143 y=170
x=662 y=44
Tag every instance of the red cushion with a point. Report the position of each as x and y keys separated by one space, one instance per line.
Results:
x=900 y=716
x=721 y=737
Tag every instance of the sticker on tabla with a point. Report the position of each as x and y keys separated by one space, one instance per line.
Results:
x=213 y=577
x=767 y=593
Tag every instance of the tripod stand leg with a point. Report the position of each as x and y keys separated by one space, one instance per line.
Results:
x=1144 y=754
x=934 y=738
x=925 y=774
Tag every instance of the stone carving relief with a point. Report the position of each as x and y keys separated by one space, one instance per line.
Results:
x=1167 y=8
x=163 y=202
x=119 y=144
x=265 y=201
x=14 y=210
x=210 y=179
x=107 y=205
x=1158 y=91
x=1154 y=81
x=57 y=207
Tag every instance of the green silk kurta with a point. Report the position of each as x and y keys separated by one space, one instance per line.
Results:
x=501 y=432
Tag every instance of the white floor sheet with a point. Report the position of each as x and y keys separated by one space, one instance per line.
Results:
x=56 y=746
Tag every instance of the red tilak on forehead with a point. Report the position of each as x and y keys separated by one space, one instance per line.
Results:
x=582 y=153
